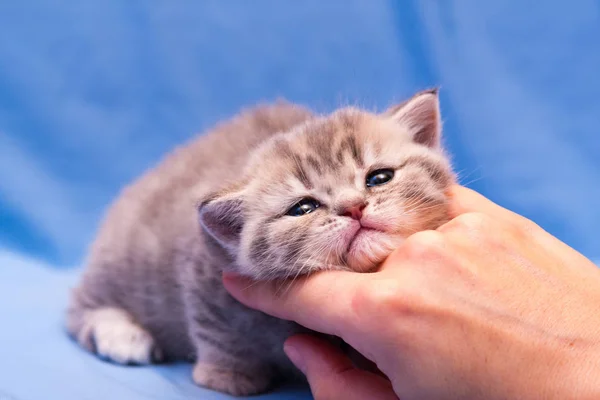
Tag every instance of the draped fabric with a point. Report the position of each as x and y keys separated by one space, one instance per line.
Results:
x=92 y=93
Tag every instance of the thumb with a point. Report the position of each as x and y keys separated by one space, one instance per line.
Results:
x=331 y=374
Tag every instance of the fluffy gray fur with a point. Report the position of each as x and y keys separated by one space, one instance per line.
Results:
x=152 y=288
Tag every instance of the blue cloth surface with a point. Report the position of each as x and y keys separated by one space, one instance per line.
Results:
x=94 y=92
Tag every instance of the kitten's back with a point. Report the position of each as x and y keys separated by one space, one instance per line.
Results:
x=204 y=165
x=210 y=161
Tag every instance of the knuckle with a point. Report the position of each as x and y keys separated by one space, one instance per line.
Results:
x=474 y=222
x=387 y=298
x=475 y=226
x=423 y=245
x=526 y=228
x=380 y=294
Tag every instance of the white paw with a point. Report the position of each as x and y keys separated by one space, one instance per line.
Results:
x=117 y=338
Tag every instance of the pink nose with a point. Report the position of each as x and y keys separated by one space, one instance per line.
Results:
x=355 y=211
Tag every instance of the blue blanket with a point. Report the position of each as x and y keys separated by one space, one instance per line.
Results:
x=94 y=92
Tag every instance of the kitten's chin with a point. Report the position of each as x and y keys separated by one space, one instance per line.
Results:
x=369 y=249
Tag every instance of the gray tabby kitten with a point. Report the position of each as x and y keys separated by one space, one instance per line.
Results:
x=275 y=193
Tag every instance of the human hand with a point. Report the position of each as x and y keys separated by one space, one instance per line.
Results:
x=487 y=306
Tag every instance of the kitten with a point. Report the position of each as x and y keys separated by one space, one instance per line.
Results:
x=275 y=193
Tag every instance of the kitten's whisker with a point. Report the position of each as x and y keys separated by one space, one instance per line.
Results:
x=298 y=259
x=306 y=264
x=471 y=181
x=461 y=177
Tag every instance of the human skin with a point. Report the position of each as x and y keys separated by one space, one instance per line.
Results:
x=489 y=306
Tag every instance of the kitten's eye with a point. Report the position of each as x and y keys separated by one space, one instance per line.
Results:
x=379 y=177
x=304 y=206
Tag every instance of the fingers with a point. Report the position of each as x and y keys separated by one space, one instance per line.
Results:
x=320 y=302
x=464 y=200
x=474 y=214
x=331 y=374
x=480 y=224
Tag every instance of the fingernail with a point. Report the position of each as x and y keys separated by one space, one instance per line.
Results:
x=295 y=357
x=232 y=281
x=229 y=276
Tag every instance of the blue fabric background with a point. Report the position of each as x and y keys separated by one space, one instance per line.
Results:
x=92 y=93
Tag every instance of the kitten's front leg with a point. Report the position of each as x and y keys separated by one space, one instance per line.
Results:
x=238 y=350
x=229 y=358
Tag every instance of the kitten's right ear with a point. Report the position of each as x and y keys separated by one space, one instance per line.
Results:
x=222 y=216
x=420 y=115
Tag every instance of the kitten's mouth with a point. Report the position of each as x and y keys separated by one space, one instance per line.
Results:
x=360 y=234
x=367 y=247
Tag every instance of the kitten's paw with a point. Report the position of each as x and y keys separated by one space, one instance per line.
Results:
x=112 y=335
x=231 y=381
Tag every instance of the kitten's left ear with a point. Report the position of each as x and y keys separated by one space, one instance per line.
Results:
x=222 y=216
x=420 y=115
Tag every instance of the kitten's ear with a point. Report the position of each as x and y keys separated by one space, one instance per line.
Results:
x=222 y=216
x=421 y=116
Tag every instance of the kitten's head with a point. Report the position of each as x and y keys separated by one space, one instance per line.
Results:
x=338 y=192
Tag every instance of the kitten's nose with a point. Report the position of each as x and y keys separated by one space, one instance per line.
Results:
x=354 y=211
